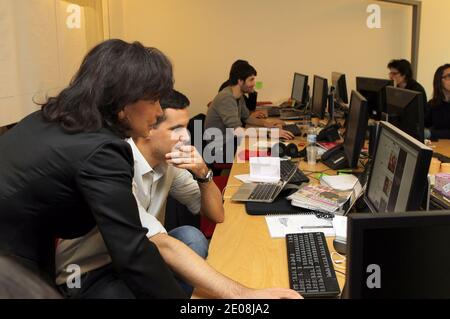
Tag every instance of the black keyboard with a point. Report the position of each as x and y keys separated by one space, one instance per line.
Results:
x=293 y=128
x=286 y=168
x=311 y=271
x=265 y=192
x=273 y=112
x=442 y=158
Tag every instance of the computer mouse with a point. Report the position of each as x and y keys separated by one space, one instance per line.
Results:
x=340 y=246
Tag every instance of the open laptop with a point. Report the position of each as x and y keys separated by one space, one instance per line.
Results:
x=265 y=192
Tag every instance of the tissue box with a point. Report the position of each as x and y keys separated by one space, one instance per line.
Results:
x=442 y=184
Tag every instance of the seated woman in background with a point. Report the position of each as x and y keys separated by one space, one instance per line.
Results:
x=437 y=119
x=400 y=71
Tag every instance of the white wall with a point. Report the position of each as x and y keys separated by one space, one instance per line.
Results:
x=39 y=54
x=434 y=41
x=204 y=37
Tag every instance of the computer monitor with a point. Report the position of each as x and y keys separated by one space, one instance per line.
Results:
x=398 y=175
x=374 y=90
x=405 y=109
x=356 y=128
x=340 y=85
x=300 y=89
x=347 y=155
x=398 y=255
x=319 y=98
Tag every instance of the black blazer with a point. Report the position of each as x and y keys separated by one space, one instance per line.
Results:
x=59 y=185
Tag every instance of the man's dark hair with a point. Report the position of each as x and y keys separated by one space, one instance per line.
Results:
x=241 y=70
x=403 y=66
x=234 y=65
x=438 y=91
x=173 y=100
x=112 y=75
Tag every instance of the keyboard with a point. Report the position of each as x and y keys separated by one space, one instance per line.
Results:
x=311 y=271
x=265 y=192
x=273 y=112
x=286 y=168
x=293 y=128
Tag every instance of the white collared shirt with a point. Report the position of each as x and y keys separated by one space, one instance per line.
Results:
x=153 y=185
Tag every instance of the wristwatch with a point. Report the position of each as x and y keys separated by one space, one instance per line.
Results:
x=209 y=176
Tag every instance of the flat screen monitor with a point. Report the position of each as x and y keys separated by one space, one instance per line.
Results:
x=319 y=98
x=398 y=255
x=405 y=110
x=374 y=90
x=398 y=176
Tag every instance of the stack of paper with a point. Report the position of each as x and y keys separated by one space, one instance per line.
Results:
x=319 y=198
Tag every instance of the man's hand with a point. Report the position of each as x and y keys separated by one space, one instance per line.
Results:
x=259 y=115
x=187 y=157
x=270 y=293
x=275 y=123
x=285 y=135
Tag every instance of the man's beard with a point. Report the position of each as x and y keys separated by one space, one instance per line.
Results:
x=245 y=89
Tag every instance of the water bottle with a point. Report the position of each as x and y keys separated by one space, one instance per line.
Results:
x=311 y=150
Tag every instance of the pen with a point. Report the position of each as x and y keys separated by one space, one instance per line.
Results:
x=312 y=227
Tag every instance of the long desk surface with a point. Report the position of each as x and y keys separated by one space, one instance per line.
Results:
x=242 y=248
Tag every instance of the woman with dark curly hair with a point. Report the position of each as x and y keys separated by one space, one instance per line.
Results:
x=66 y=168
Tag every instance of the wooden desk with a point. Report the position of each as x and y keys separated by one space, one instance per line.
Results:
x=241 y=247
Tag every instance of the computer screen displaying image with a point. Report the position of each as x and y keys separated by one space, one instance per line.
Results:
x=398 y=177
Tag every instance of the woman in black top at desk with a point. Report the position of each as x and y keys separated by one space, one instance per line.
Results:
x=437 y=119
x=66 y=168
x=400 y=71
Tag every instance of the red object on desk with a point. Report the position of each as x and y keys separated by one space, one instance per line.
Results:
x=246 y=154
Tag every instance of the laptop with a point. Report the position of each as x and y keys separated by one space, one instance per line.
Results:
x=264 y=192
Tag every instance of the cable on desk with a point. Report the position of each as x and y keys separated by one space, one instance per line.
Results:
x=225 y=188
x=337 y=262
x=310 y=173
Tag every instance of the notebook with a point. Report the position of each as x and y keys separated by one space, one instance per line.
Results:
x=280 y=225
